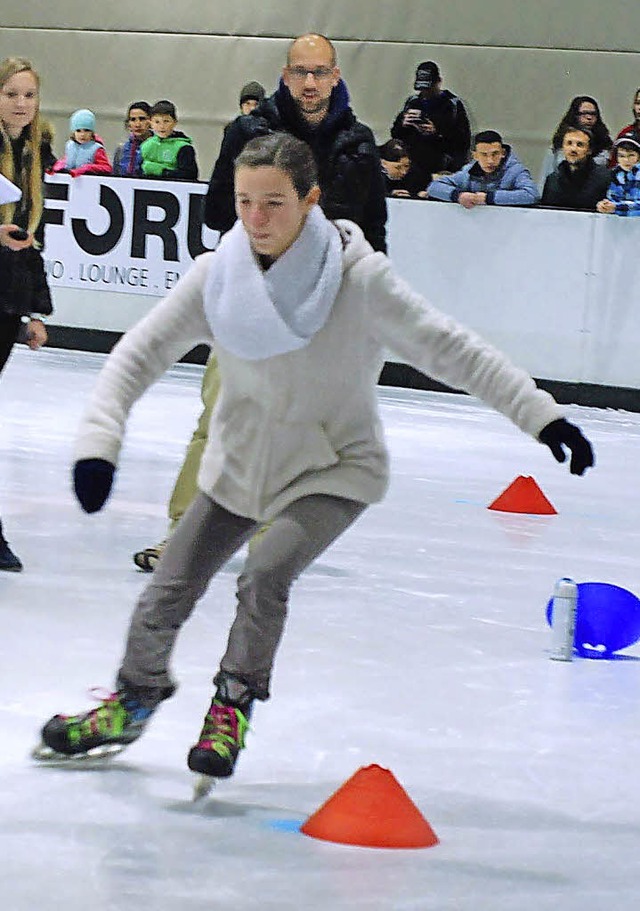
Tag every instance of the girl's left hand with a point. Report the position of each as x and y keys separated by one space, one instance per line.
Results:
x=36 y=334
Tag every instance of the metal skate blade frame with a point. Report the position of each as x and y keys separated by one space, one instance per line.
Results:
x=203 y=787
x=98 y=755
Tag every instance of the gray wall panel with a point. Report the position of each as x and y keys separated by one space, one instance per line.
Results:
x=587 y=24
x=520 y=90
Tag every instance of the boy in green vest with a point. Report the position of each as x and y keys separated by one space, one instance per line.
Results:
x=169 y=152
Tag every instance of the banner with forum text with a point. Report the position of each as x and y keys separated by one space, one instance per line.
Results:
x=122 y=234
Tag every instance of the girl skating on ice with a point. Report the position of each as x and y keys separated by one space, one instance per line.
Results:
x=301 y=311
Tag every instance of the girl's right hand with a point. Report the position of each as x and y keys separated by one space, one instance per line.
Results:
x=11 y=242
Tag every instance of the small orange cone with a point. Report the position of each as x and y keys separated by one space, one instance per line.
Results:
x=372 y=810
x=524 y=495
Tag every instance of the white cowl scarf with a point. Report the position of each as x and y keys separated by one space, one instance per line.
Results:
x=256 y=314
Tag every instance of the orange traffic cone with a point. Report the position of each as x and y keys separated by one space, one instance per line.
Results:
x=523 y=495
x=372 y=810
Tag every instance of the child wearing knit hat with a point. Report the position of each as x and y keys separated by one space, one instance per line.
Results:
x=84 y=153
x=623 y=195
x=251 y=95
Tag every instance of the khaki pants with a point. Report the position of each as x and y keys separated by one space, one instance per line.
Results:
x=186 y=486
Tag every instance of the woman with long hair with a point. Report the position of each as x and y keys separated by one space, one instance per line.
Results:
x=583 y=113
x=25 y=153
x=301 y=310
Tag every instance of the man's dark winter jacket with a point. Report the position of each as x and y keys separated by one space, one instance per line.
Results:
x=580 y=189
x=349 y=171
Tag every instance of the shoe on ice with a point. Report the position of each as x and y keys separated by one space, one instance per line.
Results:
x=147 y=559
x=115 y=723
x=9 y=562
x=220 y=741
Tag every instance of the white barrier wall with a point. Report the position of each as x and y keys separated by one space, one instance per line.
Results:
x=553 y=289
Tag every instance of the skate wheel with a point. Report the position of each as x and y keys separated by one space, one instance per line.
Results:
x=203 y=787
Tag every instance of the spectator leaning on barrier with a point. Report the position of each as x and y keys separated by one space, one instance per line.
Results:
x=496 y=177
x=312 y=104
x=127 y=159
x=623 y=195
x=578 y=182
x=433 y=124
x=169 y=152
x=402 y=178
x=84 y=152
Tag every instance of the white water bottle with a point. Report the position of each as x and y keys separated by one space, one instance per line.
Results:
x=563 y=619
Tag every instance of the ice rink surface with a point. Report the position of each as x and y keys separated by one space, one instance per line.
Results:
x=418 y=642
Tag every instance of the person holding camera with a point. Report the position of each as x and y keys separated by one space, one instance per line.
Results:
x=433 y=124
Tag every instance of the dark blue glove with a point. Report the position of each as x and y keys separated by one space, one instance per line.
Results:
x=92 y=481
x=561 y=433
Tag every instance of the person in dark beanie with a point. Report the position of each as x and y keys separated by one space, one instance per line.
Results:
x=251 y=95
x=433 y=124
x=578 y=182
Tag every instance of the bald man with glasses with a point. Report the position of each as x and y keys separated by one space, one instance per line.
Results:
x=311 y=103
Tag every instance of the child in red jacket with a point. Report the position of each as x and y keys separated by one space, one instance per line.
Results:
x=84 y=153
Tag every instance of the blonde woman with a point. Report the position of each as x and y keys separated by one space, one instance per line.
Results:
x=25 y=152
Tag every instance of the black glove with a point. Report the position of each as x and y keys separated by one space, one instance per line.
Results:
x=561 y=433
x=92 y=480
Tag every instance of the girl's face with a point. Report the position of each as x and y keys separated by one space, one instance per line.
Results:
x=18 y=102
x=270 y=210
x=138 y=122
x=83 y=136
x=636 y=107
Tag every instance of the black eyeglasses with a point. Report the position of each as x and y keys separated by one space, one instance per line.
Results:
x=318 y=72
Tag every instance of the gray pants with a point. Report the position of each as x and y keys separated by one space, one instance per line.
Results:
x=205 y=538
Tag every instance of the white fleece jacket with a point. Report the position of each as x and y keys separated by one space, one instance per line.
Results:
x=306 y=421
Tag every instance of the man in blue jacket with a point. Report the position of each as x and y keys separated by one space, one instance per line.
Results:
x=496 y=177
